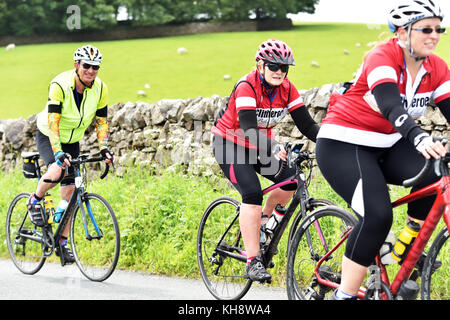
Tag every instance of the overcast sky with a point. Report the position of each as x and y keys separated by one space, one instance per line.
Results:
x=365 y=11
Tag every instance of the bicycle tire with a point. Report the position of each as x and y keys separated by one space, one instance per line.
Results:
x=435 y=282
x=96 y=257
x=222 y=275
x=31 y=257
x=307 y=248
x=314 y=204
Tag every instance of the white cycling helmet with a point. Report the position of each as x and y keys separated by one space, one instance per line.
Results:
x=88 y=54
x=406 y=12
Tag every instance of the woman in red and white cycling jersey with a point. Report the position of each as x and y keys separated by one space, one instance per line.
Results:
x=369 y=137
x=244 y=142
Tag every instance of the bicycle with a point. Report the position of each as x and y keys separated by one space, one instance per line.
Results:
x=220 y=250
x=94 y=231
x=315 y=274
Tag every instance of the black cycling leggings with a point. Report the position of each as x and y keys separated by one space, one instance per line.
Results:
x=360 y=175
x=45 y=151
x=240 y=166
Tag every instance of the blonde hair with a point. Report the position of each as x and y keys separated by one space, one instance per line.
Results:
x=383 y=37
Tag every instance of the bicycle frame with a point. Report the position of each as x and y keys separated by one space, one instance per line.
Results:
x=300 y=198
x=440 y=208
x=77 y=196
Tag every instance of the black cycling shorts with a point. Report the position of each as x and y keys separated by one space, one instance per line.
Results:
x=241 y=165
x=360 y=175
x=46 y=152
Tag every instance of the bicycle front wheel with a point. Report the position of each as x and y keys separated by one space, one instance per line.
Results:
x=95 y=237
x=220 y=250
x=436 y=269
x=319 y=233
x=23 y=238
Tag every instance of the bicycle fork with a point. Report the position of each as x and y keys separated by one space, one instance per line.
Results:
x=91 y=217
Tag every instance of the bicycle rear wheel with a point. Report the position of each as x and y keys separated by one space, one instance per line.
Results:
x=95 y=237
x=316 y=236
x=220 y=250
x=436 y=276
x=23 y=238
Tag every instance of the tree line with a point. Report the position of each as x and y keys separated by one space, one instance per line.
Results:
x=41 y=17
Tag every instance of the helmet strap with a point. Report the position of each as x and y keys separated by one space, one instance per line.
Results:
x=408 y=46
x=84 y=84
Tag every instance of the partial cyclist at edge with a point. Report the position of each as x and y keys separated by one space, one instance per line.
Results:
x=244 y=143
x=369 y=137
x=75 y=97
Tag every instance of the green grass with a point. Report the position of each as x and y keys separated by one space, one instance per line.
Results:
x=129 y=64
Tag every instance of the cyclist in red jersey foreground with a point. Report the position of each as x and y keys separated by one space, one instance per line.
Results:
x=244 y=142
x=369 y=138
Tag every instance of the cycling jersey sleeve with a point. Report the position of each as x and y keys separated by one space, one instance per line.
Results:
x=305 y=123
x=295 y=100
x=248 y=122
x=387 y=96
x=245 y=97
x=379 y=67
x=55 y=100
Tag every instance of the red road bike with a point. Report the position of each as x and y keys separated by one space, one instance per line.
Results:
x=314 y=273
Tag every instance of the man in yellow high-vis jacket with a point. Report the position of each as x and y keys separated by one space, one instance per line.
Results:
x=75 y=98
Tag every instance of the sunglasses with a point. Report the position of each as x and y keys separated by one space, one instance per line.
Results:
x=430 y=30
x=87 y=66
x=275 y=67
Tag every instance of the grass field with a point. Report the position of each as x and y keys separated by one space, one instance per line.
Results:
x=130 y=64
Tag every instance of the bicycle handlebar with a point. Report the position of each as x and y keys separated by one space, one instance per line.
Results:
x=79 y=161
x=428 y=162
x=293 y=155
x=416 y=179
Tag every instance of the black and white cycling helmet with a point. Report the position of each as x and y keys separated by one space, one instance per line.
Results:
x=88 y=54
x=406 y=12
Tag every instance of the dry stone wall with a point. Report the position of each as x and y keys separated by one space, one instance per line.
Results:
x=173 y=132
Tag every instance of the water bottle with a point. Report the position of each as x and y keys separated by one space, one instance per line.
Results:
x=405 y=240
x=62 y=205
x=386 y=249
x=277 y=215
x=49 y=207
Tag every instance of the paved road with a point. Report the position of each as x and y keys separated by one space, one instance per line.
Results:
x=54 y=282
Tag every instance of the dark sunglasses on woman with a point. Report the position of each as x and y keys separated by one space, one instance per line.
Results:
x=275 y=67
x=429 y=30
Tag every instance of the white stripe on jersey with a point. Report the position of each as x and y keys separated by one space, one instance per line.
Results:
x=356 y=136
x=441 y=90
x=380 y=73
x=245 y=102
x=297 y=101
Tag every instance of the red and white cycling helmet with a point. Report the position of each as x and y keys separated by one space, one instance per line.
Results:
x=406 y=12
x=275 y=51
x=88 y=54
